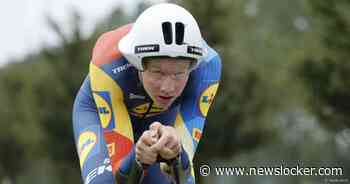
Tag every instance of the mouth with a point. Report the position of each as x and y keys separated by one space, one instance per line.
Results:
x=164 y=99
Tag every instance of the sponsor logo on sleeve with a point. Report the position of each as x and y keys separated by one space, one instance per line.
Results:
x=111 y=149
x=86 y=143
x=197 y=134
x=121 y=68
x=104 y=108
x=100 y=170
x=118 y=147
x=206 y=99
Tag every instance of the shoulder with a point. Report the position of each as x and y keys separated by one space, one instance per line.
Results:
x=206 y=74
x=210 y=67
x=106 y=49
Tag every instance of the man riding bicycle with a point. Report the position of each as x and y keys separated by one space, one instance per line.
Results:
x=140 y=112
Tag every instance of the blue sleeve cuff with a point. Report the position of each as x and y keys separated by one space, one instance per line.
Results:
x=127 y=162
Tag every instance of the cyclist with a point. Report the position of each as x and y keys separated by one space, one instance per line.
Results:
x=140 y=112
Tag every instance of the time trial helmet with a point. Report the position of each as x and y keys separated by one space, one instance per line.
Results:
x=163 y=30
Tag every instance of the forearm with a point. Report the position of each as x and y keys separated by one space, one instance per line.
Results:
x=130 y=171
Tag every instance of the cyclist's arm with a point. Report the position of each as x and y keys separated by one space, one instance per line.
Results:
x=89 y=138
x=191 y=118
x=97 y=137
x=100 y=113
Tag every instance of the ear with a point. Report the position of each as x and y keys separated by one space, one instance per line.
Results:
x=144 y=63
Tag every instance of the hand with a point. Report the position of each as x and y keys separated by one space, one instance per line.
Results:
x=145 y=153
x=168 y=145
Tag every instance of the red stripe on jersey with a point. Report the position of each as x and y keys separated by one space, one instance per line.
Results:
x=106 y=48
x=118 y=147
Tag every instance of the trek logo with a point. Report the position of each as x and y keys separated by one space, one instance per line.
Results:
x=146 y=48
x=121 y=68
x=133 y=96
x=105 y=168
x=195 y=50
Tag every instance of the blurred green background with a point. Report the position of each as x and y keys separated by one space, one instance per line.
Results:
x=284 y=98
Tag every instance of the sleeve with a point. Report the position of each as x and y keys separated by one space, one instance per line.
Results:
x=197 y=100
x=98 y=134
x=90 y=143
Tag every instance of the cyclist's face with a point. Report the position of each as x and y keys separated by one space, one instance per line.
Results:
x=164 y=79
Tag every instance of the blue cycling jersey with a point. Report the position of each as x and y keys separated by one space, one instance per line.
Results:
x=112 y=109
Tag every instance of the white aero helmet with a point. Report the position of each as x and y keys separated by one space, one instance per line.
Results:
x=163 y=30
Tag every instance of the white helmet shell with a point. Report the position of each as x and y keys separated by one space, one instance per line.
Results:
x=163 y=30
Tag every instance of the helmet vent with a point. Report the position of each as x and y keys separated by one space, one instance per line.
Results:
x=180 y=31
x=167 y=33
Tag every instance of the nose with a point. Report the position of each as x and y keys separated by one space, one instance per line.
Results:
x=167 y=85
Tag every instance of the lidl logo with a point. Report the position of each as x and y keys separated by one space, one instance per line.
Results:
x=87 y=141
x=196 y=134
x=206 y=99
x=104 y=109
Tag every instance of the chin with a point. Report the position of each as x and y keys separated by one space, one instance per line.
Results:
x=165 y=106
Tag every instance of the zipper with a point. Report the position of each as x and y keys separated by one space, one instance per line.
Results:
x=149 y=109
